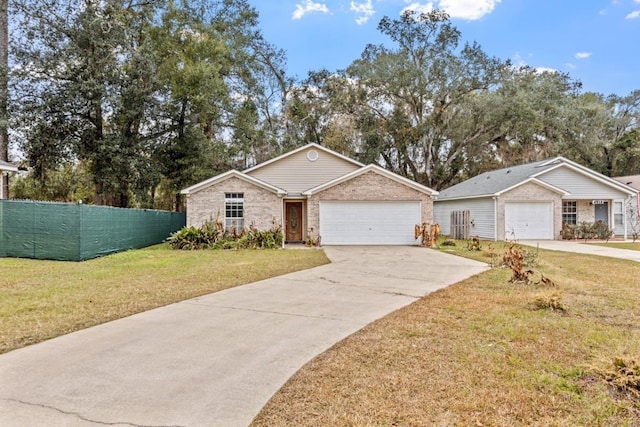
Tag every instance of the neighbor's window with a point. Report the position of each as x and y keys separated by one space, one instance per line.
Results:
x=617 y=214
x=233 y=211
x=569 y=212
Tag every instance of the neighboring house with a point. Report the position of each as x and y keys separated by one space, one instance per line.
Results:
x=5 y=168
x=315 y=192
x=532 y=201
x=633 y=209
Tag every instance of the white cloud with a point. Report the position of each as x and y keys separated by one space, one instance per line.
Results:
x=468 y=9
x=633 y=15
x=582 y=55
x=570 y=65
x=542 y=70
x=364 y=11
x=518 y=62
x=308 y=6
x=418 y=7
x=464 y=9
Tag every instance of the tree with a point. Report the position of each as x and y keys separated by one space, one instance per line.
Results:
x=4 y=93
x=194 y=61
x=413 y=94
x=145 y=94
x=257 y=76
x=83 y=87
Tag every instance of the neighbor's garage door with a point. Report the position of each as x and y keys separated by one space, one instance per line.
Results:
x=368 y=223
x=530 y=220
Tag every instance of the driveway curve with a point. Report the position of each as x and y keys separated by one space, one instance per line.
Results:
x=217 y=359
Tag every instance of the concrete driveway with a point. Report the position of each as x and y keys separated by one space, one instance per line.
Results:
x=584 y=248
x=215 y=360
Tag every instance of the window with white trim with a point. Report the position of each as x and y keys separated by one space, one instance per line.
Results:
x=569 y=212
x=618 y=220
x=234 y=211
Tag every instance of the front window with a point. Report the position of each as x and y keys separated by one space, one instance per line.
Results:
x=569 y=212
x=617 y=214
x=234 y=211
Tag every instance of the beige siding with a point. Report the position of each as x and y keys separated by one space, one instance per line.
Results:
x=260 y=205
x=580 y=186
x=531 y=192
x=368 y=187
x=296 y=173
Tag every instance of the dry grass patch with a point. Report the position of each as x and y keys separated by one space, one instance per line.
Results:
x=481 y=352
x=43 y=299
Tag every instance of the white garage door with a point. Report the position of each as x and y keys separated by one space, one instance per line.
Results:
x=530 y=220
x=368 y=223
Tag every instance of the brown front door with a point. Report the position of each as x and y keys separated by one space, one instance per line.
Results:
x=293 y=214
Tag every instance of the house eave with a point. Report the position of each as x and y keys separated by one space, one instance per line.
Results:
x=537 y=182
x=8 y=167
x=297 y=150
x=474 y=196
x=376 y=169
x=232 y=174
x=563 y=162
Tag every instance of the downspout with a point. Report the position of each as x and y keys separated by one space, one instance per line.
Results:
x=626 y=207
x=495 y=219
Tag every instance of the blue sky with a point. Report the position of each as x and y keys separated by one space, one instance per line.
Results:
x=595 y=41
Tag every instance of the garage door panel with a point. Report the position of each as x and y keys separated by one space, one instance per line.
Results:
x=529 y=220
x=368 y=223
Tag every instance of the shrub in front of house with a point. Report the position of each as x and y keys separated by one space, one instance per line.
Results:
x=586 y=231
x=212 y=235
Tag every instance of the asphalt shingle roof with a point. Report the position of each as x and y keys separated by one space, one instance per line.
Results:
x=490 y=183
x=630 y=180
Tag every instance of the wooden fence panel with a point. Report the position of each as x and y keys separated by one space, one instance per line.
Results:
x=460 y=225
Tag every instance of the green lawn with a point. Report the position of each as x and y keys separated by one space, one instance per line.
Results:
x=621 y=245
x=43 y=299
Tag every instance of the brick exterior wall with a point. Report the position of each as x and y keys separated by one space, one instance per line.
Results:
x=260 y=205
x=586 y=211
x=531 y=192
x=370 y=186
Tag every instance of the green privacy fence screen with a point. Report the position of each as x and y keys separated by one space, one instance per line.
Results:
x=75 y=232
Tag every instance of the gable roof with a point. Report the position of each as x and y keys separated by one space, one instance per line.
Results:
x=537 y=182
x=494 y=183
x=231 y=174
x=5 y=166
x=280 y=191
x=297 y=150
x=376 y=169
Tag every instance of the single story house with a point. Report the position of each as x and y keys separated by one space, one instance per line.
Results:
x=532 y=201
x=633 y=209
x=5 y=168
x=314 y=192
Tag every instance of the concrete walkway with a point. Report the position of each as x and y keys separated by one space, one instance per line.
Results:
x=215 y=360
x=584 y=248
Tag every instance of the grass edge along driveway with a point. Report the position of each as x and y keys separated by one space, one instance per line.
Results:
x=40 y=300
x=484 y=352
